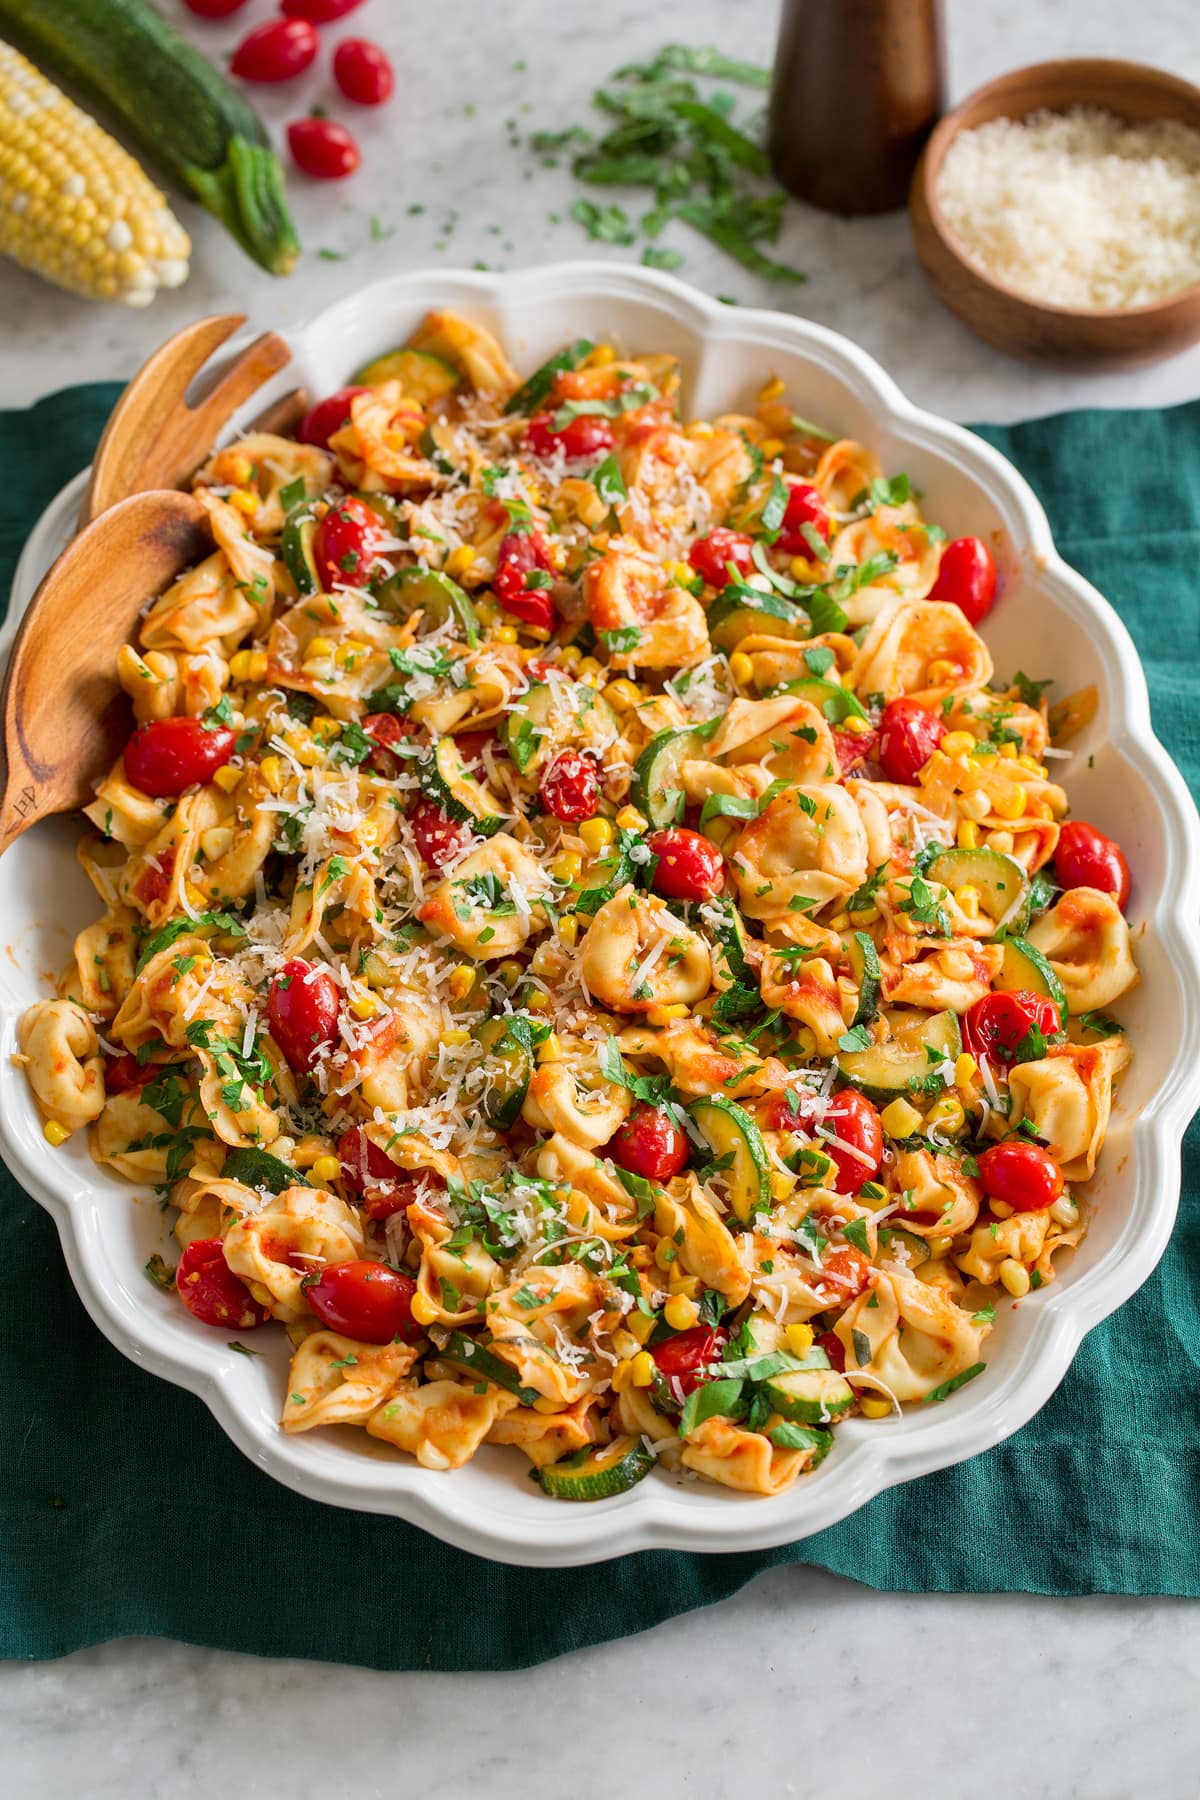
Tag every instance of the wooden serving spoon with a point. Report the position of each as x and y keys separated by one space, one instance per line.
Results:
x=154 y=439
x=65 y=716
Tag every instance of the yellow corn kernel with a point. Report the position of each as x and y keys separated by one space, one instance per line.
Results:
x=899 y=1119
x=940 y=671
x=1002 y=841
x=273 y=773
x=781 y=1184
x=965 y=1069
x=308 y=1151
x=798 y=1338
x=974 y=806
x=857 y=727
x=570 y=657
x=700 y=428
x=1014 y=1276
x=967 y=900
x=303 y=747
x=803 y=568
x=456 y=1036
x=622 y=695
x=1009 y=752
x=771 y=448
x=741 y=668
x=601 y=356
x=326 y=1168
x=597 y=834
x=248 y=665
x=680 y=1312
x=510 y=971
x=687 y=1285
x=193 y=895
x=1029 y=762
x=643 y=1369
x=630 y=819
x=243 y=501
x=507 y=634
x=588 y=669
x=537 y=1001
x=54 y=1133
x=683 y=572
x=460 y=560
x=568 y=930
x=946 y=1115
x=1001 y=1208
x=1012 y=804
x=422 y=1309
x=549 y=1050
x=487 y=612
x=875 y=1408
x=462 y=980
x=641 y=1325
x=939 y=1245
x=967 y=835
x=626 y=1346
x=666 y=1254
x=958 y=743
x=566 y=865
x=365 y=1006
x=658 y=1016
x=227 y=778
x=774 y=390
x=325 y=728
x=318 y=648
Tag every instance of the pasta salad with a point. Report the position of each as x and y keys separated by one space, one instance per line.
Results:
x=589 y=945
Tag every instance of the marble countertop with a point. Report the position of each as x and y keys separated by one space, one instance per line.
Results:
x=1092 y=1698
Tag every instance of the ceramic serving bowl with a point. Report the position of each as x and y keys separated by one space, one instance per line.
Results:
x=1049 y=621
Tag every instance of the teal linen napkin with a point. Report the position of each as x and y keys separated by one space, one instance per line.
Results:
x=124 y=1510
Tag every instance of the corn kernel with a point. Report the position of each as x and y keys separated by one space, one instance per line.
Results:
x=700 y=428
x=537 y=1001
x=771 y=448
x=622 y=694
x=683 y=572
x=1009 y=752
x=658 y=1016
x=625 y=1345
x=248 y=665
x=507 y=634
x=568 y=930
x=54 y=1133
x=303 y=747
x=967 y=900
x=549 y=1050
x=875 y=1408
x=487 y=612
x=601 y=356
x=193 y=895
x=460 y=560
x=308 y=1150
x=1002 y=841
x=622 y=1375
x=641 y=1325
x=965 y=1069
x=510 y=971
x=326 y=1168
x=899 y=1119
x=462 y=980
x=857 y=727
x=666 y=1254
x=798 y=1338
x=243 y=501
x=774 y=390
x=687 y=1285
x=597 y=834
x=1014 y=1277
x=566 y=865
x=946 y=1115
x=227 y=778
x=939 y=1245
x=273 y=773
x=365 y=1006
x=958 y=743
x=803 y=568
x=643 y=1369
x=680 y=1312
x=940 y=671
x=570 y=657
x=318 y=648
x=1001 y=1208
x=325 y=728
x=967 y=835
x=422 y=1309
x=741 y=668
x=781 y=1184
x=588 y=669
x=1029 y=762
x=974 y=806
x=630 y=819
x=1012 y=804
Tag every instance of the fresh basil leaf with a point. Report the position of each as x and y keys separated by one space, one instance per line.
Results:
x=712 y=1399
x=952 y=1386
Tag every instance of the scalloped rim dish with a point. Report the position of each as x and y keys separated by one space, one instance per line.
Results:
x=1049 y=617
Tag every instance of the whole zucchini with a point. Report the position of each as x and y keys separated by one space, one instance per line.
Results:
x=122 y=58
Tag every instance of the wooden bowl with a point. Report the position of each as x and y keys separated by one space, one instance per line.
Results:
x=1065 y=335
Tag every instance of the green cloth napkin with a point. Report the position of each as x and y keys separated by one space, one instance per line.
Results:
x=124 y=1510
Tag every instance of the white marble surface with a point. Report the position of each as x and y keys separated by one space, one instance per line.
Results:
x=802 y=1684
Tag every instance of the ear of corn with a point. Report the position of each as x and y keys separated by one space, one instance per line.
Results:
x=74 y=206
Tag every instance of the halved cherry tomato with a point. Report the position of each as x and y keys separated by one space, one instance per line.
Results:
x=684 y=1358
x=327 y=416
x=124 y=1072
x=967 y=576
x=835 y=1350
x=346 y=543
x=439 y=838
x=649 y=1143
x=323 y=149
x=804 y=507
x=214 y=9
x=521 y=554
x=710 y=555
x=212 y=1292
x=583 y=436
x=847 y=1115
x=570 y=788
x=471 y=746
x=319 y=12
x=366 y=1300
x=167 y=755
x=998 y=1025
x=1023 y=1176
x=909 y=733
x=364 y=1164
x=1086 y=858
x=302 y=1007
x=690 y=867
x=276 y=51
x=363 y=72
x=844 y=1269
x=853 y=747
x=385 y=730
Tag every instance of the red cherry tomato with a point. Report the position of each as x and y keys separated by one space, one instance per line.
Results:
x=1023 y=1176
x=212 y=1292
x=570 y=788
x=323 y=149
x=385 y=729
x=835 y=1350
x=845 y=1271
x=168 y=755
x=471 y=746
x=967 y=576
x=327 y=416
x=439 y=839
x=366 y=1300
x=853 y=747
x=214 y=9
x=124 y=1072
x=650 y=1143
x=805 y=507
x=684 y=1358
x=521 y=553
x=998 y=1025
x=319 y=12
x=277 y=51
x=363 y=72
x=345 y=543
x=302 y=1007
x=908 y=736
x=847 y=1115
x=1086 y=858
x=584 y=436
x=689 y=866
x=710 y=555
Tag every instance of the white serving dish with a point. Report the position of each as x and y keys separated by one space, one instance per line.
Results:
x=1049 y=622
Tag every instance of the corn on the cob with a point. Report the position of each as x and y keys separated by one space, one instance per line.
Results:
x=74 y=206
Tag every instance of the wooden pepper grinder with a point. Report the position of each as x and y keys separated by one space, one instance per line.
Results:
x=858 y=87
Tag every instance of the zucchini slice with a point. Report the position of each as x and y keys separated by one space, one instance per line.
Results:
x=424 y=376
x=657 y=789
x=738 y=611
x=732 y=940
x=525 y=728
x=510 y=1067
x=809 y=1396
x=434 y=595
x=833 y=701
x=864 y=966
x=299 y=531
x=1001 y=880
x=598 y=1474
x=259 y=1169
x=530 y=395
x=469 y=1354
x=1026 y=968
x=446 y=780
x=730 y=1131
x=886 y=1070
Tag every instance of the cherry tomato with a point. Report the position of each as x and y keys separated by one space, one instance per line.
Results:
x=345 y=543
x=684 y=1358
x=327 y=416
x=370 y=1173
x=805 y=507
x=650 y=1143
x=124 y=1072
x=323 y=149
x=847 y=1115
x=846 y=1270
x=319 y=12
x=1023 y=1176
x=363 y=72
x=168 y=755
x=689 y=867
x=277 y=51
x=584 y=436
x=385 y=729
x=212 y=1292
x=521 y=554
x=835 y=1350
x=367 y=1301
x=570 y=788
x=908 y=736
x=1086 y=858
x=439 y=839
x=967 y=576
x=214 y=9
x=853 y=747
x=998 y=1025
x=302 y=1007
x=471 y=746
x=710 y=555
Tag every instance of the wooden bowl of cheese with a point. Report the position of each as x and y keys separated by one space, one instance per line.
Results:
x=1056 y=212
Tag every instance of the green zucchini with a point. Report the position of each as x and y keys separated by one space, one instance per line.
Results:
x=657 y=789
x=169 y=101
x=432 y=594
x=833 y=701
x=424 y=376
x=897 y=1067
x=468 y=1353
x=864 y=966
x=446 y=780
x=1001 y=880
x=532 y=393
x=732 y=942
x=738 y=611
x=598 y=1474
x=299 y=531
x=510 y=1066
x=259 y=1169
x=525 y=726
x=1025 y=967
x=730 y=1131
x=809 y=1396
